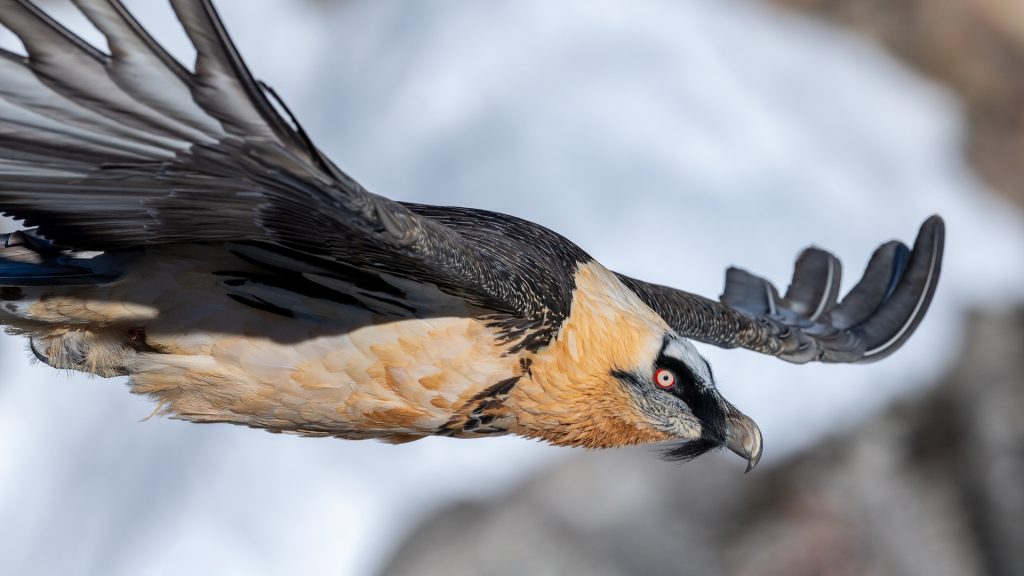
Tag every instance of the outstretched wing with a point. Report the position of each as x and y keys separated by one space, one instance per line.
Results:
x=116 y=151
x=807 y=324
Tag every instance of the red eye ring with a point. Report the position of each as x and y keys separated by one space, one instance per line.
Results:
x=664 y=378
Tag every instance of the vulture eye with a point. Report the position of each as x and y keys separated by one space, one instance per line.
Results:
x=664 y=378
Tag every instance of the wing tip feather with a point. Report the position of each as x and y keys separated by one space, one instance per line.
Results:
x=920 y=279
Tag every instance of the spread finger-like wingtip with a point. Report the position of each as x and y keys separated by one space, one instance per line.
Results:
x=810 y=324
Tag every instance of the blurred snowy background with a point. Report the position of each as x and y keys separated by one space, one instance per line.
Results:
x=668 y=138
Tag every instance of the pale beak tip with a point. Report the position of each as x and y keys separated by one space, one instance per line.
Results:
x=752 y=461
x=744 y=438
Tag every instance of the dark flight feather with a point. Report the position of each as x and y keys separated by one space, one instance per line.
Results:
x=883 y=273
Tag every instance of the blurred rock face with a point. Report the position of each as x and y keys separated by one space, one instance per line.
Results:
x=932 y=487
x=976 y=48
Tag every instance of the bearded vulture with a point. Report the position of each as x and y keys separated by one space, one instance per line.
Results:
x=181 y=229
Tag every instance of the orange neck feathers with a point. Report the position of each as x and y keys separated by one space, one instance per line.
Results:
x=570 y=396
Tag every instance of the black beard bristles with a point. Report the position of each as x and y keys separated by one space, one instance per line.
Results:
x=686 y=451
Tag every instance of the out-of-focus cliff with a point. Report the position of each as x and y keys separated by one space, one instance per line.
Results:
x=974 y=47
x=932 y=487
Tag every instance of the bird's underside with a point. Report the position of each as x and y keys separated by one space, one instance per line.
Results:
x=214 y=338
x=242 y=333
x=182 y=230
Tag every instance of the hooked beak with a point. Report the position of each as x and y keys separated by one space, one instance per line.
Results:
x=744 y=438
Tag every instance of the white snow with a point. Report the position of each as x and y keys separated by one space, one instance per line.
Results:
x=669 y=138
